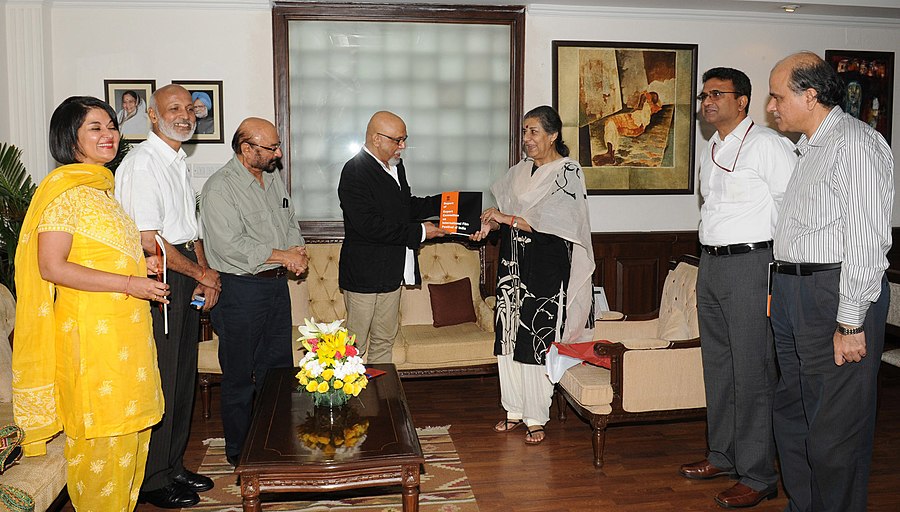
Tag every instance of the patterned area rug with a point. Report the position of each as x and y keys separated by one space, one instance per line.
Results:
x=444 y=485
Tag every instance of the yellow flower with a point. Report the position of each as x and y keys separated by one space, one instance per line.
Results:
x=303 y=380
x=328 y=373
x=356 y=389
x=311 y=386
x=323 y=387
x=338 y=384
x=350 y=378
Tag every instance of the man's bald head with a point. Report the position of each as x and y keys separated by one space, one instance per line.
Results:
x=386 y=136
x=806 y=70
x=257 y=145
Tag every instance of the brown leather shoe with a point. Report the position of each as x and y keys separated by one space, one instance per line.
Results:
x=742 y=496
x=702 y=470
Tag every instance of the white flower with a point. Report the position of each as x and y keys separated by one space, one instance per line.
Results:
x=314 y=367
x=313 y=330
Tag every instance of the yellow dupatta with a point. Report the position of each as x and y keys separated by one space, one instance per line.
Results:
x=34 y=347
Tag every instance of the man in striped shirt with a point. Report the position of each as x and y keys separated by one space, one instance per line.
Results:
x=830 y=296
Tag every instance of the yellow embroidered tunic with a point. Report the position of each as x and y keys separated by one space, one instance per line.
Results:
x=105 y=380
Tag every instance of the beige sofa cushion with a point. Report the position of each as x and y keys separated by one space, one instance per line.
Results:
x=7 y=323
x=41 y=477
x=589 y=385
x=678 y=305
x=439 y=347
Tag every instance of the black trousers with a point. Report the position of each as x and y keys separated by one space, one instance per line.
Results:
x=177 y=359
x=824 y=414
x=253 y=321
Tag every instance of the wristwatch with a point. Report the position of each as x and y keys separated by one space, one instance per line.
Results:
x=847 y=332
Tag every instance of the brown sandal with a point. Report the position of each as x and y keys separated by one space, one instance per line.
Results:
x=507 y=426
x=531 y=438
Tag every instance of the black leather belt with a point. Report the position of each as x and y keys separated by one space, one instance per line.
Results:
x=803 y=269
x=271 y=273
x=722 y=250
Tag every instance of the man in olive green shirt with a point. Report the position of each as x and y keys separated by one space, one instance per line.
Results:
x=253 y=240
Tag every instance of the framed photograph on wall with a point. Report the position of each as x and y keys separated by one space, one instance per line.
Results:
x=207 y=98
x=869 y=77
x=628 y=112
x=129 y=99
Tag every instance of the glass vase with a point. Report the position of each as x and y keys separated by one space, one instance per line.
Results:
x=333 y=398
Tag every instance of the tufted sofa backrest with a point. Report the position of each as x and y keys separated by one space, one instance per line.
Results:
x=678 y=305
x=319 y=294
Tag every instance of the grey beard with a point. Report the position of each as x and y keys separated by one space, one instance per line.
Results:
x=169 y=131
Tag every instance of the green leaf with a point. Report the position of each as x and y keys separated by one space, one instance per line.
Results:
x=16 y=191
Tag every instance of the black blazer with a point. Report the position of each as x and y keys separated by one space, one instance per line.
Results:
x=380 y=221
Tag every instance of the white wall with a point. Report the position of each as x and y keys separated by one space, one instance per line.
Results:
x=752 y=44
x=233 y=45
x=112 y=40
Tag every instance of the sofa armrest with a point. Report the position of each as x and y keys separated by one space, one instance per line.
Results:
x=629 y=329
x=485 y=316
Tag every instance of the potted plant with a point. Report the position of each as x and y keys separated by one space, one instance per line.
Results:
x=16 y=191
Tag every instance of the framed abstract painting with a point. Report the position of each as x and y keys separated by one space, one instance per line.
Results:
x=628 y=114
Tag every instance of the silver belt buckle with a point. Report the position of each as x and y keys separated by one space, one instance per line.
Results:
x=189 y=245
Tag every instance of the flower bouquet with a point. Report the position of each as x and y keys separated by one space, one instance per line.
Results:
x=331 y=370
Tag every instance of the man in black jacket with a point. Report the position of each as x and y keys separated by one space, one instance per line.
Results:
x=381 y=232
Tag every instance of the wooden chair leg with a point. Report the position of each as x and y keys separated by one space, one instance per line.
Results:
x=560 y=403
x=204 y=394
x=599 y=423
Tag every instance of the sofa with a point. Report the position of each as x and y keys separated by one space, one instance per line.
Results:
x=44 y=477
x=421 y=348
x=655 y=367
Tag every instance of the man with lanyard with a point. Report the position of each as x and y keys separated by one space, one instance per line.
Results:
x=830 y=294
x=743 y=174
x=153 y=186
x=252 y=239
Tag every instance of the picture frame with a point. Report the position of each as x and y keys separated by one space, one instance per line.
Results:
x=628 y=112
x=209 y=128
x=869 y=80
x=134 y=125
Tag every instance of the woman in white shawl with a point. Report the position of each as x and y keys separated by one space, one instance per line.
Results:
x=544 y=288
x=133 y=120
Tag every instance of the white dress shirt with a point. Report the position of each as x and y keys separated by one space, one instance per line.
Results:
x=837 y=208
x=153 y=186
x=741 y=206
x=409 y=265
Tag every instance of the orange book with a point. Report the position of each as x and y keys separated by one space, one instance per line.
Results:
x=460 y=212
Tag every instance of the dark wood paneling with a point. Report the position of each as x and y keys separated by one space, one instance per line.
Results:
x=632 y=267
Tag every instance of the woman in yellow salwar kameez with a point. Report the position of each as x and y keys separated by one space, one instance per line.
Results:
x=84 y=360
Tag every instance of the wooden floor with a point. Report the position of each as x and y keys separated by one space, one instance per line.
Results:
x=641 y=461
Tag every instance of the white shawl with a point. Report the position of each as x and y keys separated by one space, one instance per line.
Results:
x=554 y=201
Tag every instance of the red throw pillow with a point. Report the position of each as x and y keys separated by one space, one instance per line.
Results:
x=451 y=303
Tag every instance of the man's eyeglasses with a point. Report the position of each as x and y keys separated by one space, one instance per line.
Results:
x=397 y=140
x=714 y=94
x=272 y=148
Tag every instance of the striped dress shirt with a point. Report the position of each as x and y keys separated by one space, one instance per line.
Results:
x=837 y=208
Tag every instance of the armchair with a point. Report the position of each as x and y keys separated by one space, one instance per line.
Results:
x=656 y=371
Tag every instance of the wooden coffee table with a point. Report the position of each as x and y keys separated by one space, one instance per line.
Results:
x=275 y=459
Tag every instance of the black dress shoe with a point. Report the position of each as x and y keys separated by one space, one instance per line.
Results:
x=233 y=459
x=193 y=481
x=170 y=496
